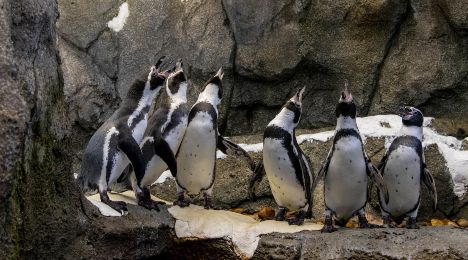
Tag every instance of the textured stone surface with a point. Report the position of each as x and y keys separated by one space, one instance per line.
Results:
x=390 y=51
x=426 y=243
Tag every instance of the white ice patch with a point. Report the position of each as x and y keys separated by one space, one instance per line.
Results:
x=164 y=177
x=118 y=22
x=243 y=231
x=127 y=197
x=457 y=163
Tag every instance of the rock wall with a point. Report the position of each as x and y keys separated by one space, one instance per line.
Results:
x=38 y=201
x=390 y=51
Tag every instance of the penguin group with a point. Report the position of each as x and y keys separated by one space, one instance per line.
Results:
x=137 y=146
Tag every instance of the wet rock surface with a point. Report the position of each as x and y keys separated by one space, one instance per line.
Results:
x=425 y=243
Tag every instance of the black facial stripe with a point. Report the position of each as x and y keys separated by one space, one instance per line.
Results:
x=174 y=82
x=416 y=119
x=275 y=132
x=204 y=107
x=346 y=109
x=344 y=133
x=156 y=81
x=406 y=140
x=294 y=108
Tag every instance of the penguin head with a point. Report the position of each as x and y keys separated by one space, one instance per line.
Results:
x=346 y=106
x=213 y=89
x=176 y=84
x=157 y=74
x=294 y=105
x=411 y=116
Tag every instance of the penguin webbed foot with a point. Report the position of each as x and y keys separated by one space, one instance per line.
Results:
x=119 y=206
x=209 y=203
x=387 y=223
x=181 y=201
x=281 y=215
x=144 y=200
x=328 y=226
x=298 y=220
x=363 y=223
x=412 y=224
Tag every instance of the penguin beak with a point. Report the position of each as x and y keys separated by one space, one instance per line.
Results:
x=297 y=98
x=346 y=95
x=406 y=112
x=220 y=73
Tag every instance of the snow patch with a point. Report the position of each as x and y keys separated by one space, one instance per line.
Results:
x=164 y=177
x=127 y=197
x=243 y=231
x=118 y=22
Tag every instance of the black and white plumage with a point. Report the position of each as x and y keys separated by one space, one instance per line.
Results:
x=287 y=167
x=162 y=138
x=196 y=158
x=115 y=143
x=404 y=168
x=347 y=169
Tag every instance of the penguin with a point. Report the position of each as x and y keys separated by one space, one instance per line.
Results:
x=287 y=168
x=404 y=168
x=347 y=169
x=115 y=143
x=196 y=158
x=166 y=128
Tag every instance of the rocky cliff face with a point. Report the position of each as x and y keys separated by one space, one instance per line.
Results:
x=391 y=52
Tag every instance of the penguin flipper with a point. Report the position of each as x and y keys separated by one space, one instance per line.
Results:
x=307 y=184
x=376 y=177
x=228 y=147
x=164 y=151
x=130 y=147
x=428 y=180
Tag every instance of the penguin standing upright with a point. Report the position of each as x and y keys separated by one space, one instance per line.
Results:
x=347 y=169
x=166 y=128
x=287 y=167
x=403 y=168
x=115 y=143
x=196 y=158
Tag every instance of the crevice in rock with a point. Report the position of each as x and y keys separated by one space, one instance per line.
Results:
x=395 y=35
x=235 y=76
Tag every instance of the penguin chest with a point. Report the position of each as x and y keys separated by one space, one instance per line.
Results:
x=282 y=175
x=346 y=179
x=402 y=174
x=175 y=135
x=197 y=154
x=156 y=166
x=139 y=129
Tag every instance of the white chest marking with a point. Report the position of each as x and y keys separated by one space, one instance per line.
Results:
x=105 y=157
x=140 y=129
x=156 y=166
x=286 y=189
x=197 y=153
x=346 y=179
x=402 y=175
